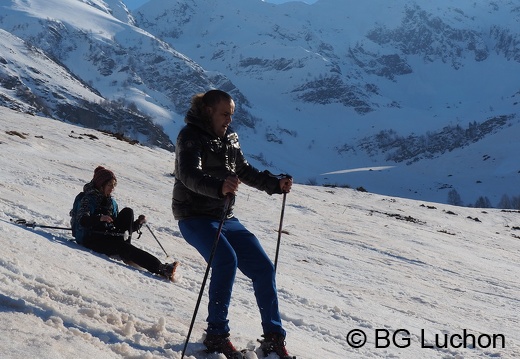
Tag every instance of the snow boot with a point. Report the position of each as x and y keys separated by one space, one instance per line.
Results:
x=275 y=343
x=167 y=270
x=220 y=343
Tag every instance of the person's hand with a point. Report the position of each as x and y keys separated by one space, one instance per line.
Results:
x=230 y=185
x=106 y=218
x=141 y=219
x=286 y=184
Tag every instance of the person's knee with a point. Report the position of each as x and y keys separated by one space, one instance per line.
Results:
x=127 y=212
x=265 y=265
x=225 y=261
x=260 y=269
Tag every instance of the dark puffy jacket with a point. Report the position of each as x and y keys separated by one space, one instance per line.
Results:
x=202 y=163
x=92 y=206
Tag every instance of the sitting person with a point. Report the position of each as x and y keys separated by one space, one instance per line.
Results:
x=99 y=226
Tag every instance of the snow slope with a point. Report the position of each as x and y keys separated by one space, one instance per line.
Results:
x=349 y=261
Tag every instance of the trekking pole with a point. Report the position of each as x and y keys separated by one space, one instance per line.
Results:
x=147 y=226
x=213 y=250
x=280 y=232
x=33 y=225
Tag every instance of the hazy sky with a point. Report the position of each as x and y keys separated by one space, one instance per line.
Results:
x=134 y=4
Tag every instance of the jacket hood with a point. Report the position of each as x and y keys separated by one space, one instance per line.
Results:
x=91 y=188
x=193 y=118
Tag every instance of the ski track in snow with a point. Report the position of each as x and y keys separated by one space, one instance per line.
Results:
x=349 y=260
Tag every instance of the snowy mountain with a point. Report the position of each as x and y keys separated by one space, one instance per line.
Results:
x=426 y=88
x=30 y=85
x=419 y=279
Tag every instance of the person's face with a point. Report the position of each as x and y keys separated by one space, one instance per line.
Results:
x=221 y=116
x=108 y=188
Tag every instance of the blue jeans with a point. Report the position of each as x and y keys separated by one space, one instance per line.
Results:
x=237 y=248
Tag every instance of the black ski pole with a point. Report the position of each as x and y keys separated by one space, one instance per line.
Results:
x=33 y=225
x=280 y=232
x=213 y=250
x=147 y=226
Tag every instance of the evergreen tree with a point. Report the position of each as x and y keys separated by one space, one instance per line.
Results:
x=515 y=202
x=454 y=198
x=483 y=202
x=505 y=202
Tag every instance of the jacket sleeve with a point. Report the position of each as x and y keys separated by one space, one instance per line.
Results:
x=86 y=212
x=188 y=166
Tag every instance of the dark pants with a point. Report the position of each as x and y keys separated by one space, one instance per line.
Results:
x=237 y=248
x=116 y=245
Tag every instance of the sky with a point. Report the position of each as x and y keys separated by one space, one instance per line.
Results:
x=413 y=277
x=134 y=4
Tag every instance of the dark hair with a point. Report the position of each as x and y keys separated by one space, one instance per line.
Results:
x=202 y=101
x=213 y=97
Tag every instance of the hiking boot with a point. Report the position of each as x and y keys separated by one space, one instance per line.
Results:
x=219 y=343
x=275 y=343
x=167 y=270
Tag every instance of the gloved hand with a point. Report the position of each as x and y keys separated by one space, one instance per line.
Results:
x=138 y=223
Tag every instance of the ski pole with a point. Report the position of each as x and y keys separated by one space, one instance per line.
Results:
x=32 y=225
x=23 y=222
x=147 y=226
x=213 y=250
x=280 y=232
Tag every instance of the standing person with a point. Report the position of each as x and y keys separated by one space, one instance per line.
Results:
x=99 y=226
x=209 y=166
